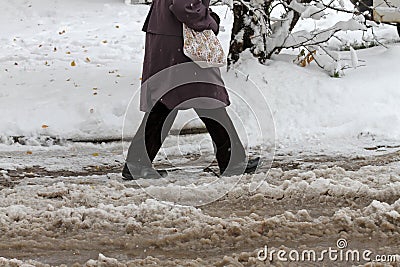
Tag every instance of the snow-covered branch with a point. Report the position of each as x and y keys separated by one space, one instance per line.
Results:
x=256 y=29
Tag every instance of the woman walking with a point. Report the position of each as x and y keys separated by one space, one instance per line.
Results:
x=165 y=90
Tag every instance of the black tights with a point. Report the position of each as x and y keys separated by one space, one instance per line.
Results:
x=155 y=127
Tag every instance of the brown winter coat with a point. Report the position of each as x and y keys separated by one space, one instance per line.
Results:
x=164 y=78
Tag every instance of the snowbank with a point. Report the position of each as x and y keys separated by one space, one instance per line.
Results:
x=70 y=73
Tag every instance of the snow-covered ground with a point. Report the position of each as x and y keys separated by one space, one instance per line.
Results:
x=41 y=93
x=69 y=69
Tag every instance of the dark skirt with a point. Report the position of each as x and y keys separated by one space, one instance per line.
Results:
x=173 y=79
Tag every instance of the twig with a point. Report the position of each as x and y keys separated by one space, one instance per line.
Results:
x=338 y=9
x=315 y=59
x=325 y=7
x=376 y=38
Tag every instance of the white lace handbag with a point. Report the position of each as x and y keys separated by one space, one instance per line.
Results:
x=203 y=48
